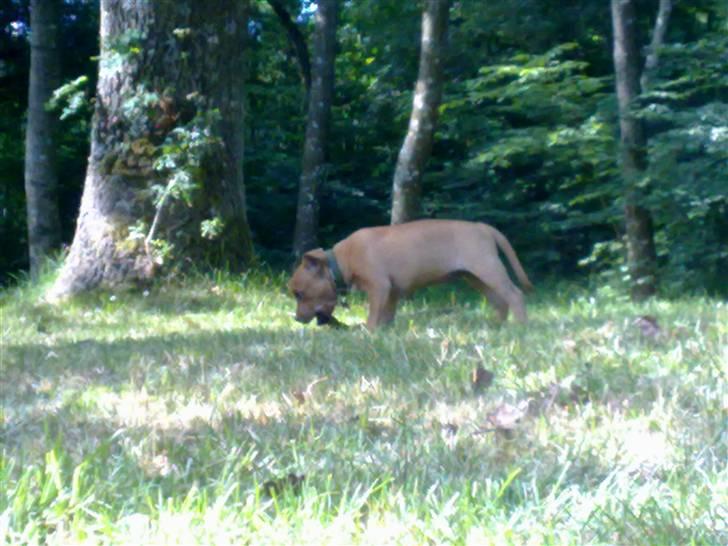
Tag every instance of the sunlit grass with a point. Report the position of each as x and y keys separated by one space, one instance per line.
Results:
x=200 y=412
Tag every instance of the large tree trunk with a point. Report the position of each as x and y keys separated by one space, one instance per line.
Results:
x=641 y=255
x=313 y=168
x=41 y=181
x=415 y=151
x=169 y=101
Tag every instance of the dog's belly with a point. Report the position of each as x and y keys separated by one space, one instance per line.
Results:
x=428 y=277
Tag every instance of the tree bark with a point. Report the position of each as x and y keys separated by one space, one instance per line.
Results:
x=641 y=254
x=313 y=168
x=415 y=151
x=167 y=67
x=41 y=180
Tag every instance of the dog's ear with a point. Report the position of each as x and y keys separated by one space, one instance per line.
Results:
x=315 y=260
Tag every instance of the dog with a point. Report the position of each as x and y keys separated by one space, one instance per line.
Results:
x=389 y=262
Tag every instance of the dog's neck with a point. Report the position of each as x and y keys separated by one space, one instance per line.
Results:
x=338 y=277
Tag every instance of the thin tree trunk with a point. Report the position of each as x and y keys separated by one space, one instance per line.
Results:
x=41 y=180
x=658 y=38
x=297 y=41
x=165 y=65
x=641 y=255
x=415 y=151
x=313 y=168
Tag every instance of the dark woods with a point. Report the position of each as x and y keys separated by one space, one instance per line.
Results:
x=595 y=136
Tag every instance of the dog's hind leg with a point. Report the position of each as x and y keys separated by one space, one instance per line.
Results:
x=517 y=304
x=390 y=308
x=500 y=305
x=501 y=292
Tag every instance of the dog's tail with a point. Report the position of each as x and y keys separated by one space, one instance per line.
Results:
x=507 y=249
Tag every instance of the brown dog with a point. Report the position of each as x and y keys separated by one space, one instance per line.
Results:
x=389 y=262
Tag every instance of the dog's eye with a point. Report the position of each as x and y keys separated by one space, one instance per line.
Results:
x=298 y=295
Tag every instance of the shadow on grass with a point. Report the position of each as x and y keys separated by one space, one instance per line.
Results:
x=110 y=360
x=40 y=378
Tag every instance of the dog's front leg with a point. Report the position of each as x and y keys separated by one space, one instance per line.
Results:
x=390 y=308
x=380 y=310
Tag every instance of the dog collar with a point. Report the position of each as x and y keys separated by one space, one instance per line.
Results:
x=339 y=281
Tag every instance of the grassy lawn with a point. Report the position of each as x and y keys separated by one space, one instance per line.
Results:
x=201 y=413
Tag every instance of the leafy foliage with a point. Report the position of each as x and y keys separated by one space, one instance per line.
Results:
x=688 y=171
x=79 y=38
x=540 y=153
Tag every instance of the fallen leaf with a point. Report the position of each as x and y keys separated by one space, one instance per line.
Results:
x=648 y=326
x=507 y=416
x=301 y=395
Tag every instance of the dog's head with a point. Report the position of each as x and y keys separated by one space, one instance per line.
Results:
x=313 y=287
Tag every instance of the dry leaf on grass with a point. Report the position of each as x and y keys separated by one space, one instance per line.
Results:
x=508 y=416
x=648 y=326
x=481 y=379
x=302 y=395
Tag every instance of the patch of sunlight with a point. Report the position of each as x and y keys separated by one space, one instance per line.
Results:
x=638 y=448
x=131 y=408
x=262 y=412
x=137 y=408
x=389 y=528
x=459 y=414
x=135 y=528
x=339 y=531
x=643 y=447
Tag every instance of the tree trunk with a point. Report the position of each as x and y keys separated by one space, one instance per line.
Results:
x=415 y=151
x=658 y=38
x=313 y=168
x=641 y=255
x=298 y=41
x=41 y=181
x=169 y=116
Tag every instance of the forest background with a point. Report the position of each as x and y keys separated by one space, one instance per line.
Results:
x=527 y=137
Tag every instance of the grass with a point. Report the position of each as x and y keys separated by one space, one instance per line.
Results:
x=201 y=413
